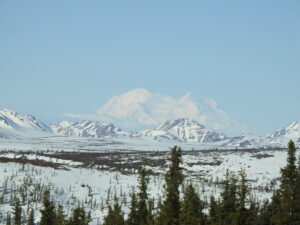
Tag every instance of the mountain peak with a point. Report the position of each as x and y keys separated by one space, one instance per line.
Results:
x=12 y=120
x=169 y=124
x=85 y=128
x=185 y=130
x=289 y=132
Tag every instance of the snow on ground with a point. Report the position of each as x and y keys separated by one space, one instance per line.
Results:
x=69 y=185
x=58 y=143
x=262 y=169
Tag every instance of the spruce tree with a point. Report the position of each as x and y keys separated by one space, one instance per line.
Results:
x=252 y=214
x=48 y=212
x=265 y=213
x=150 y=219
x=228 y=205
x=60 y=216
x=295 y=218
x=8 y=219
x=170 y=209
x=243 y=194
x=285 y=196
x=78 y=217
x=213 y=211
x=17 y=212
x=276 y=208
x=133 y=218
x=114 y=216
x=142 y=209
x=191 y=210
x=31 y=218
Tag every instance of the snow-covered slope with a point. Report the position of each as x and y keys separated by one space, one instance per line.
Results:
x=14 y=124
x=246 y=141
x=85 y=128
x=282 y=136
x=12 y=120
x=184 y=130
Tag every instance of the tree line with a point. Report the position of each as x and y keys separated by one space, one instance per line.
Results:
x=184 y=206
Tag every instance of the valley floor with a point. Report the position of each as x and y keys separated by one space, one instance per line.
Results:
x=92 y=179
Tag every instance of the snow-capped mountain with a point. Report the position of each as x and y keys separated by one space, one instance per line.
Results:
x=141 y=109
x=85 y=128
x=12 y=120
x=184 y=130
x=282 y=136
x=15 y=124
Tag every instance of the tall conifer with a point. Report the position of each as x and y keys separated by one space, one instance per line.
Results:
x=60 y=216
x=283 y=199
x=228 y=206
x=78 y=217
x=191 y=210
x=114 y=216
x=133 y=217
x=8 y=219
x=142 y=209
x=170 y=209
x=48 y=212
x=17 y=212
x=295 y=218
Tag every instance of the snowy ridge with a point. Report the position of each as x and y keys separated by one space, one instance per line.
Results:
x=15 y=125
x=246 y=141
x=184 y=130
x=13 y=120
x=85 y=128
x=290 y=132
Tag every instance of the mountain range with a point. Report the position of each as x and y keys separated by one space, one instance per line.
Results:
x=85 y=128
x=184 y=130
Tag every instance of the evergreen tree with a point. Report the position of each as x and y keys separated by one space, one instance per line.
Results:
x=31 y=218
x=78 y=217
x=142 y=209
x=276 y=208
x=60 y=216
x=243 y=194
x=252 y=214
x=213 y=211
x=150 y=218
x=8 y=219
x=265 y=213
x=133 y=218
x=114 y=216
x=228 y=205
x=295 y=218
x=17 y=212
x=283 y=206
x=170 y=209
x=48 y=212
x=191 y=210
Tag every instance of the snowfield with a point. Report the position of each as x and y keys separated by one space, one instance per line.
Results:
x=69 y=183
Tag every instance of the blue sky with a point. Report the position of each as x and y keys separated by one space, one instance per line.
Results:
x=58 y=57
